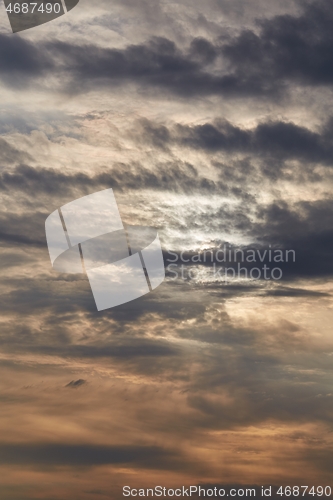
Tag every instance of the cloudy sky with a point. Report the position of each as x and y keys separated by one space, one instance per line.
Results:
x=212 y=122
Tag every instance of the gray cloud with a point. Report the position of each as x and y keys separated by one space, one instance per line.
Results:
x=176 y=176
x=21 y=61
x=10 y=155
x=287 y=47
x=76 y=383
x=86 y=455
x=277 y=140
x=133 y=348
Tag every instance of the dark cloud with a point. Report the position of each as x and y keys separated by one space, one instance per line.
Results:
x=256 y=63
x=12 y=259
x=306 y=228
x=276 y=140
x=10 y=155
x=295 y=292
x=21 y=60
x=23 y=229
x=158 y=63
x=130 y=349
x=47 y=455
x=287 y=48
x=175 y=176
x=76 y=383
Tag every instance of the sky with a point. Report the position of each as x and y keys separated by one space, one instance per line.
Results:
x=212 y=122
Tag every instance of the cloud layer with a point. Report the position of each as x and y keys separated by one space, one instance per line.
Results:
x=215 y=127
